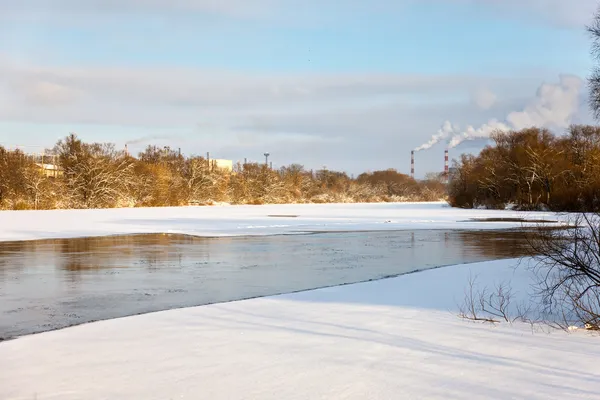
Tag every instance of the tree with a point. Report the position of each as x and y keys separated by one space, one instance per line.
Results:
x=258 y=184
x=36 y=183
x=294 y=178
x=203 y=182
x=594 y=79
x=100 y=181
x=95 y=175
x=532 y=169
x=568 y=267
x=463 y=183
x=163 y=177
x=13 y=188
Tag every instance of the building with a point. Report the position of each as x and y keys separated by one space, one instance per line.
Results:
x=50 y=170
x=226 y=165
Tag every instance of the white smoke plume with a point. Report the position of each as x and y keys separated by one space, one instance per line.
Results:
x=554 y=107
x=484 y=131
x=146 y=139
x=444 y=133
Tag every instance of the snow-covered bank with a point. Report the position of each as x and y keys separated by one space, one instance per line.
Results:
x=249 y=220
x=395 y=338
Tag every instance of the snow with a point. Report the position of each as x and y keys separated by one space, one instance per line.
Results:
x=388 y=339
x=394 y=338
x=250 y=220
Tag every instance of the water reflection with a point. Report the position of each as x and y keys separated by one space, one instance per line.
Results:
x=49 y=284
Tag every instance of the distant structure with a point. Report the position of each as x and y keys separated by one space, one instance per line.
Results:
x=446 y=172
x=47 y=163
x=50 y=170
x=225 y=165
x=445 y=175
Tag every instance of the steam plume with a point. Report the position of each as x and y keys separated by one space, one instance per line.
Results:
x=483 y=132
x=445 y=131
x=553 y=107
x=145 y=139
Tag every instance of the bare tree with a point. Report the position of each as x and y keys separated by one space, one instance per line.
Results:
x=100 y=181
x=35 y=182
x=594 y=80
x=95 y=175
x=203 y=183
x=568 y=270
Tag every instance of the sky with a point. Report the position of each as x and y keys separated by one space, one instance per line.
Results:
x=349 y=85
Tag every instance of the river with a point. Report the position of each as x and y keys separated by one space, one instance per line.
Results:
x=52 y=284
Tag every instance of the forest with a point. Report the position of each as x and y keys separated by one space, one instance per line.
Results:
x=97 y=175
x=531 y=169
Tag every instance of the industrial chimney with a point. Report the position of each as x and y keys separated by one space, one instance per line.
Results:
x=446 y=170
x=412 y=164
x=126 y=150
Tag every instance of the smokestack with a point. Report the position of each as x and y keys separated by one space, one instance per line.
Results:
x=446 y=170
x=126 y=150
x=412 y=164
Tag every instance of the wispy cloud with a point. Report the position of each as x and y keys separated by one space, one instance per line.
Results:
x=119 y=95
x=301 y=116
x=567 y=13
x=562 y=12
x=100 y=8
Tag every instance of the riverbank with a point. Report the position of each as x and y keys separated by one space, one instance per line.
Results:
x=255 y=220
x=394 y=338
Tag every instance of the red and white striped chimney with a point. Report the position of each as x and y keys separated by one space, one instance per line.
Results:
x=446 y=169
x=412 y=164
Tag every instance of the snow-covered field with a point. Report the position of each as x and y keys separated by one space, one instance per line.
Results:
x=398 y=338
x=390 y=339
x=249 y=220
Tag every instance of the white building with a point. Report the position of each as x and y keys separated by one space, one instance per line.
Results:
x=226 y=165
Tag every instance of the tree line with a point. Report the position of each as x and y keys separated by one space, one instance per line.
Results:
x=531 y=169
x=97 y=175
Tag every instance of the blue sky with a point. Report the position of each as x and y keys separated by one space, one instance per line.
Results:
x=351 y=85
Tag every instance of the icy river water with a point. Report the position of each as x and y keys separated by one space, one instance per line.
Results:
x=52 y=284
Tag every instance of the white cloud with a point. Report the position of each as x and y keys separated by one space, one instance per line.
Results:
x=186 y=95
x=44 y=8
x=47 y=94
x=561 y=12
x=574 y=13
x=554 y=106
x=484 y=98
x=351 y=121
